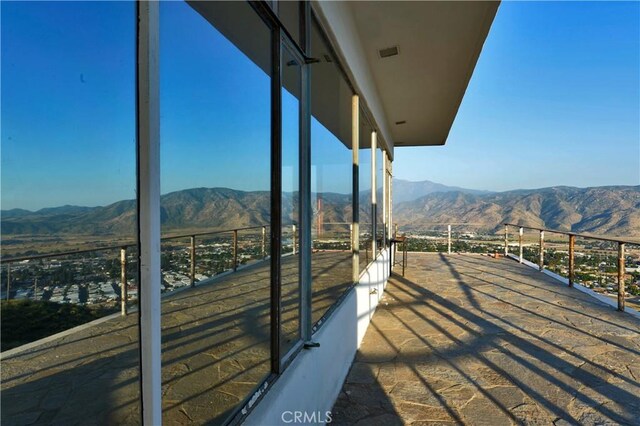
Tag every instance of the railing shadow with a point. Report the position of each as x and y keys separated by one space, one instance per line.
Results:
x=438 y=328
x=215 y=352
x=580 y=296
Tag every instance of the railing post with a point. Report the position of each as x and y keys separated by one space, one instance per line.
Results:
x=520 y=233
x=264 y=242
x=123 y=281
x=193 y=260
x=366 y=254
x=355 y=189
x=294 y=238
x=395 y=234
x=404 y=254
x=449 y=239
x=572 y=263
x=541 y=260
x=235 y=250
x=8 y=280
x=621 y=291
x=506 y=240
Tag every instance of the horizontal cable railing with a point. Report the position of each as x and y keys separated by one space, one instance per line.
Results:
x=124 y=259
x=546 y=254
x=581 y=235
x=571 y=252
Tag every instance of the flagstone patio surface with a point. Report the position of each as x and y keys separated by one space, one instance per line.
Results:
x=469 y=339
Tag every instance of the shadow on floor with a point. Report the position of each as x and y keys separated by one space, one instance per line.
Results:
x=466 y=339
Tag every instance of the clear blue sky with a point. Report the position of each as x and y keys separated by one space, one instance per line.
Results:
x=554 y=100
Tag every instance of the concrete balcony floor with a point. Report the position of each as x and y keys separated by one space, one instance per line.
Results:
x=215 y=351
x=468 y=339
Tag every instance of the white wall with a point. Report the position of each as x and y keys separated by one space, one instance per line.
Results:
x=313 y=380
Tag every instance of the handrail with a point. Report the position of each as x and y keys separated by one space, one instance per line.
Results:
x=123 y=256
x=123 y=245
x=621 y=242
x=64 y=253
x=454 y=223
x=576 y=234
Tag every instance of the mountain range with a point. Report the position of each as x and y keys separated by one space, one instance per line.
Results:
x=608 y=210
x=611 y=210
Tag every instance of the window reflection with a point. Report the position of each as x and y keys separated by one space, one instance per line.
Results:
x=290 y=263
x=331 y=179
x=215 y=133
x=68 y=185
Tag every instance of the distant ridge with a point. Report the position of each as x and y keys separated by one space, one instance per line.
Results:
x=611 y=210
x=207 y=208
x=607 y=210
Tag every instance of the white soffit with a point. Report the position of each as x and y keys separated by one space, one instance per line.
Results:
x=423 y=85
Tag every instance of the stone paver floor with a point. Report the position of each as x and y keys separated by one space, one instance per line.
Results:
x=468 y=339
x=215 y=351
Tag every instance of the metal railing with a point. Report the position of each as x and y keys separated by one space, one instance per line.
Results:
x=441 y=238
x=621 y=242
x=449 y=237
x=123 y=251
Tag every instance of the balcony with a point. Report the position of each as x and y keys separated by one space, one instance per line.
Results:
x=234 y=269
x=459 y=338
x=477 y=340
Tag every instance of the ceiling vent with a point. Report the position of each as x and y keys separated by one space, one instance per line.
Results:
x=388 y=52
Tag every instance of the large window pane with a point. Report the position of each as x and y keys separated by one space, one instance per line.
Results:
x=215 y=132
x=290 y=263
x=69 y=184
x=331 y=179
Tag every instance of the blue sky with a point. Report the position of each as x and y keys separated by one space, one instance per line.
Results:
x=68 y=108
x=555 y=100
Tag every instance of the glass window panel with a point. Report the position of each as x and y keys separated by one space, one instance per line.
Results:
x=215 y=132
x=290 y=285
x=69 y=183
x=331 y=179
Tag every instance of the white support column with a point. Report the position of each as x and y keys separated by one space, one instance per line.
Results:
x=390 y=231
x=374 y=206
x=149 y=209
x=385 y=178
x=355 y=200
